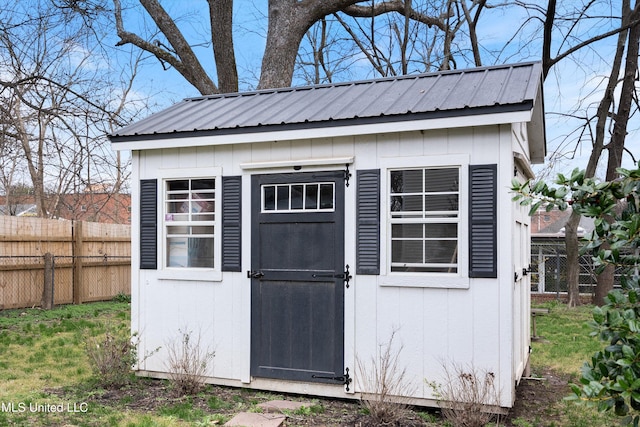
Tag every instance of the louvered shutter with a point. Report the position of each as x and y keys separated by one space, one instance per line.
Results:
x=368 y=222
x=231 y=222
x=149 y=224
x=482 y=221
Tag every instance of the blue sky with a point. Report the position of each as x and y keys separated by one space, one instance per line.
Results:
x=570 y=87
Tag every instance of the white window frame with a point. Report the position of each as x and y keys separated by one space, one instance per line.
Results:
x=459 y=279
x=191 y=273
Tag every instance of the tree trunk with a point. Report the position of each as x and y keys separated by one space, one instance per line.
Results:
x=221 y=18
x=606 y=279
x=604 y=285
x=602 y=114
x=616 y=144
x=287 y=26
x=573 y=257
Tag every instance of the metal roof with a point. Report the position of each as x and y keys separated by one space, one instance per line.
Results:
x=449 y=93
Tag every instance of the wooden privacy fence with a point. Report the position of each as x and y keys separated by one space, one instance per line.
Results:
x=86 y=262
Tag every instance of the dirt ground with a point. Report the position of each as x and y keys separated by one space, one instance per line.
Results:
x=534 y=398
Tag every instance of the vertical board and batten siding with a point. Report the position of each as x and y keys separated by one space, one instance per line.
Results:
x=439 y=325
x=433 y=325
x=522 y=258
x=215 y=310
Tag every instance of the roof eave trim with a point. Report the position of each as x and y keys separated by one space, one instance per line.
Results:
x=362 y=126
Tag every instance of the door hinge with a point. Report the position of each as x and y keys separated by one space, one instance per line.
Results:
x=346 y=276
x=344 y=379
x=347 y=175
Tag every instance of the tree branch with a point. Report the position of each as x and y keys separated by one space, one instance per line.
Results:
x=186 y=63
x=398 y=6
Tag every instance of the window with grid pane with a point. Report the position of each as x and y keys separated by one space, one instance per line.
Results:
x=189 y=222
x=424 y=219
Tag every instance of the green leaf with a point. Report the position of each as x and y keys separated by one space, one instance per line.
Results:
x=598 y=315
x=576 y=390
x=624 y=362
x=561 y=192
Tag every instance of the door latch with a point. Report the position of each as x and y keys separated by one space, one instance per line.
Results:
x=255 y=274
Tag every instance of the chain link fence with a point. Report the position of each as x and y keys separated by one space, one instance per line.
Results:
x=549 y=269
x=73 y=279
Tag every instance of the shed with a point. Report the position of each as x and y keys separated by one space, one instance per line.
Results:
x=296 y=230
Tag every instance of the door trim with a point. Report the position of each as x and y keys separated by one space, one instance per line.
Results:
x=258 y=218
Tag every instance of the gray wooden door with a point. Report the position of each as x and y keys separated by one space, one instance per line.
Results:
x=297 y=258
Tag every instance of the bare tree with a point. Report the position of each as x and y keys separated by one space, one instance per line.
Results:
x=613 y=110
x=289 y=22
x=57 y=103
x=420 y=37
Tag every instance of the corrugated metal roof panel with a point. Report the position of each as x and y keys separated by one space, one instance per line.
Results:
x=390 y=97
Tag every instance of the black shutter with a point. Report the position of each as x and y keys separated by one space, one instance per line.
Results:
x=482 y=221
x=148 y=224
x=231 y=222
x=368 y=222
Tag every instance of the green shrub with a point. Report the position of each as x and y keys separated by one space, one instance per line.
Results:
x=611 y=379
x=122 y=297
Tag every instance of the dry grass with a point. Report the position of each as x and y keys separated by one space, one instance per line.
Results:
x=467 y=396
x=382 y=381
x=112 y=356
x=187 y=363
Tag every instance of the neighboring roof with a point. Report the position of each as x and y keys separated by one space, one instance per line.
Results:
x=496 y=89
x=20 y=209
x=551 y=224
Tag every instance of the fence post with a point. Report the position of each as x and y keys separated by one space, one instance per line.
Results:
x=77 y=262
x=47 y=293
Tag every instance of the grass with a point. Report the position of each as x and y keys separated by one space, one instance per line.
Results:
x=566 y=342
x=42 y=358
x=44 y=350
x=565 y=346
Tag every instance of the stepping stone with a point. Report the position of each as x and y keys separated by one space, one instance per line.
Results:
x=278 y=406
x=253 y=419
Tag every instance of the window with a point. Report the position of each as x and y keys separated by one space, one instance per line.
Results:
x=310 y=197
x=424 y=215
x=189 y=222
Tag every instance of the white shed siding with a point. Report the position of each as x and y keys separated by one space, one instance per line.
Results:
x=435 y=325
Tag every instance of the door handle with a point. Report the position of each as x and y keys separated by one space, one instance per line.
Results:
x=255 y=274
